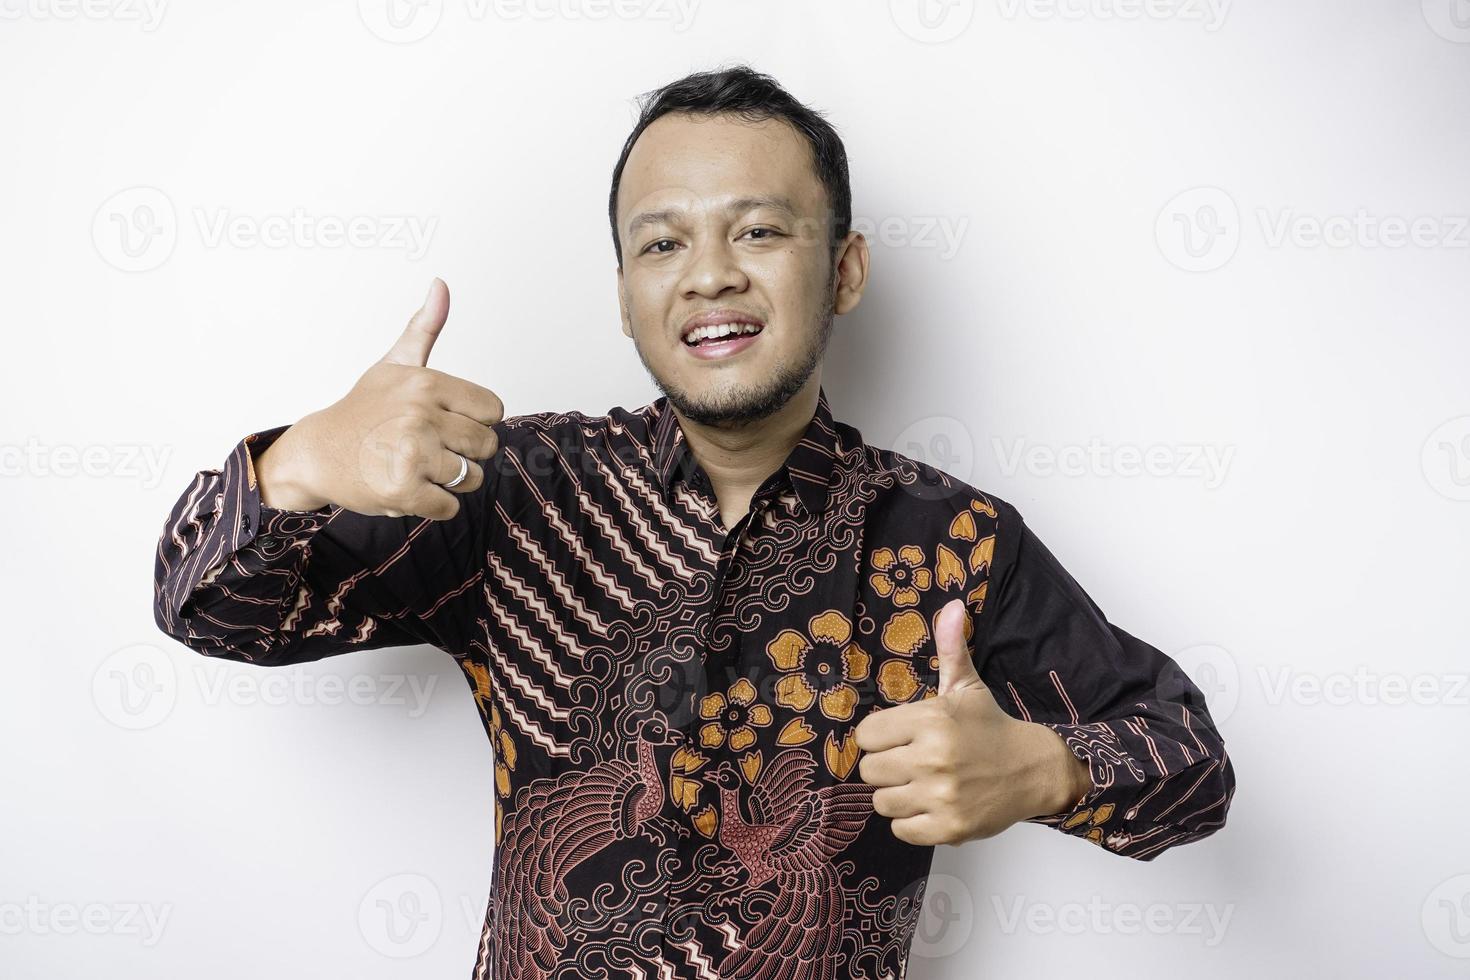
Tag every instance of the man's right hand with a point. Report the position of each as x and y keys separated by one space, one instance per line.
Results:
x=387 y=446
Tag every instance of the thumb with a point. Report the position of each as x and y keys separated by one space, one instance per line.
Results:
x=956 y=668
x=423 y=328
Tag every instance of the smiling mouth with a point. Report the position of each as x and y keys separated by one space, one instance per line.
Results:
x=721 y=341
x=723 y=333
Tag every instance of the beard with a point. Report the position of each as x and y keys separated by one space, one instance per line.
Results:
x=749 y=403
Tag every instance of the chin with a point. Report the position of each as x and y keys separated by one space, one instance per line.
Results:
x=734 y=402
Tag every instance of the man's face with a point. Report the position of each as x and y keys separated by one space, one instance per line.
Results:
x=719 y=215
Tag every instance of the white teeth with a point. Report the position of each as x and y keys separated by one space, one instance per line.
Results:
x=722 y=330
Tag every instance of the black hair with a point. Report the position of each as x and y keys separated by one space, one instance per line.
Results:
x=752 y=96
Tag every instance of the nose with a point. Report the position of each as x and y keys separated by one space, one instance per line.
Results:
x=713 y=270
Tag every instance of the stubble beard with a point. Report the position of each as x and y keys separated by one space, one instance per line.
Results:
x=753 y=402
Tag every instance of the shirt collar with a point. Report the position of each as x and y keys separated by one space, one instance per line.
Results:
x=810 y=465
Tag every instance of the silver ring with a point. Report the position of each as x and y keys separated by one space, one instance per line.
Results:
x=464 y=469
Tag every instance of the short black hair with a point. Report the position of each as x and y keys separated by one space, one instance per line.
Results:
x=741 y=91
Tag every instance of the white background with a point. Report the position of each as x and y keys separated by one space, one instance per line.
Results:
x=1314 y=582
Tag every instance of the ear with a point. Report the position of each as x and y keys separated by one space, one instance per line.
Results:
x=852 y=273
x=623 y=307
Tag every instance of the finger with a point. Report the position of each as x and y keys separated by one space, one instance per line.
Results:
x=446 y=468
x=466 y=436
x=889 y=728
x=423 y=328
x=956 y=667
x=896 y=802
x=893 y=767
x=434 y=502
x=921 y=829
x=467 y=398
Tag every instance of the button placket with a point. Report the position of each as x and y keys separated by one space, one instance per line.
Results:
x=716 y=669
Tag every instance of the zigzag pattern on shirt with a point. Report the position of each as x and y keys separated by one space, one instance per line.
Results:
x=524 y=724
x=557 y=581
x=615 y=537
x=656 y=545
x=531 y=645
x=533 y=601
x=574 y=544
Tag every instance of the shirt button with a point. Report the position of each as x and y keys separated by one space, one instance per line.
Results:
x=267 y=540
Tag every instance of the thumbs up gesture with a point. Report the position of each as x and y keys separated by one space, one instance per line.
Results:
x=956 y=767
x=392 y=442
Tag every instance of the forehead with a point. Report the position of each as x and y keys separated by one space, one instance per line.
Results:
x=684 y=160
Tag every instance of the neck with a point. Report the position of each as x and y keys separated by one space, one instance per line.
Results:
x=737 y=461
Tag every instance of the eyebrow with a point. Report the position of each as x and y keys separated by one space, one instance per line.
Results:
x=738 y=206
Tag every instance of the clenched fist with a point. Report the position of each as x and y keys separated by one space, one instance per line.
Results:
x=390 y=443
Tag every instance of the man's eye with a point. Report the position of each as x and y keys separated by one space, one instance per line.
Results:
x=769 y=233
x=654 y=246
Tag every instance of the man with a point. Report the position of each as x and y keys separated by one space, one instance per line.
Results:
x=741 y=670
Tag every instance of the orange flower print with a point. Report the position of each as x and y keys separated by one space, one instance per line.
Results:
x=505 y=749
x=964 y=529
x=707 y=820
x=904 y=635
x=734 y=716
x=505 y=752
x=1089 y=823
x=902 y=576
x=683 y=785
x=841 y=755
x=821 y=664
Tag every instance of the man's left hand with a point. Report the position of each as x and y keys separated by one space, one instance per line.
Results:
x=955 y=767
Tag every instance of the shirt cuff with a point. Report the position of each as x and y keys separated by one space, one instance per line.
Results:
x=239 y=519
x=274 y=522
x=1117 y=782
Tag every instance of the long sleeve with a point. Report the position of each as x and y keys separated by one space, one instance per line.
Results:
x=236 y=579
x=1159 y=769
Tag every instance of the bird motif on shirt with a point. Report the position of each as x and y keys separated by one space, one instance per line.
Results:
x=558 y=825
x=792 y=838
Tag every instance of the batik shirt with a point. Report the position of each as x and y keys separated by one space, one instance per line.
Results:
x=671 y=704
